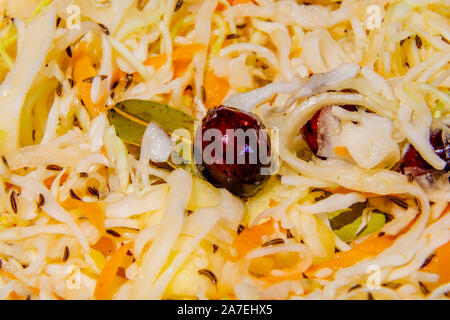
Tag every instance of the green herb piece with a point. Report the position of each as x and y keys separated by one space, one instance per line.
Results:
x=345 y=217
x=349 y=232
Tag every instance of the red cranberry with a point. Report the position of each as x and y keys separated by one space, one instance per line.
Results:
x=245 y=178
x=311 y=128
x=413 y=163
x=309 y=133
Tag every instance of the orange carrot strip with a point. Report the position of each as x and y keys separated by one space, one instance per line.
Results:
x=273 y=280
x=105 y=246
x=49 y=181
x=156 y=61
x=440 y=263
x=70 y=204
x=127 y=261
x=181 y=58
x=180 y=67
x=118 y=76
x=8 y=274
x=187 y=52
x=9 y=186
x=82 y=70
x=235 y=2
x=14 y=296
x=370 y=247
x=81 y=51
x=216 y=89
x=273 y=203
x=341 y=151
x=251 y=238
x=109 y=272
x=95 y=214
x=447 y=210
x=93 y=211
x=36 y=291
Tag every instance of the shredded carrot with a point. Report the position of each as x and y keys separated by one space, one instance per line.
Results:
x=341 y=151
x=187 y=52
x=83 y=69
x=251 y=238
x=216 y=89
x=109 y=273
x=95 y=214
x=103 y=150
x=9 y=186
x=156 y=61
x=273 y=203
x=81 y=51
x=93 y=211
x=49 y=181
x=7 y=274
x=127 y=261
x=181 y=58
x=235 y=2
x=14 y=296
x=105 y=246
x=447 y=210
x=277 y=279
x=440 y=263
x=118 y=76
x=221 y=7
x=36 y=291
x=180 y=67
x=370 y=247
x=70 y=204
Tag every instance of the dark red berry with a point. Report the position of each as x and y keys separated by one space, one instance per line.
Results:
x=242 y=173
x=311 y=128
x=413 y=163
x=310 y=132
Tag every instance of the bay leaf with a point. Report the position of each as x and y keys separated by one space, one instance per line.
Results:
x=145 y=111
x=128 y=130
x=131 y=117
